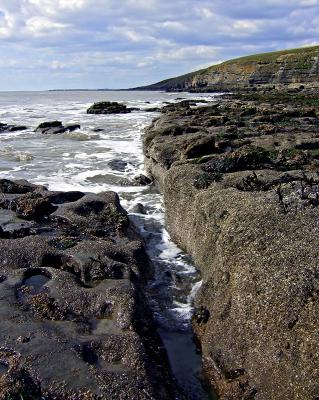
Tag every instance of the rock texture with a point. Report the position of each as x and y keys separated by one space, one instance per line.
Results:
x=74 y=319
x=241 y=188
x=293 y=68
x=11 y=128
x=56 y=127
x=108 y=107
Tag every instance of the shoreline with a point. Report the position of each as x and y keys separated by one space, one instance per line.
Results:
x=51 y=225
x=241 y=194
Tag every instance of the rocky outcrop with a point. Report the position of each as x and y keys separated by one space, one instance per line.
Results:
x=241 y=192
x=296 y=68
x=56 y=127
x=108 y=107
x=11 y=128
x=74 y=319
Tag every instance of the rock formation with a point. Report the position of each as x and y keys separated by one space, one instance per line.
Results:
x=56 y=127
x=108 y=107
x=11 y=128
x=241 y=189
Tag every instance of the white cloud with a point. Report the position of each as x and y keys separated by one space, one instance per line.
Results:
x=42 y=26
x=174 y=26
x=104 y=39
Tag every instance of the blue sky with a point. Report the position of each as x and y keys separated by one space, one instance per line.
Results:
x=50 y=44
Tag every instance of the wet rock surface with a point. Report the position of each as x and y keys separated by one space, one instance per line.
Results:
x=241 y=187
x=56 y=127
x=74 y=320
x=11 y=128
x=108 y=107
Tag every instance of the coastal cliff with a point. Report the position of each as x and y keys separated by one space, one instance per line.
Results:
x=241 y=192
x=290 y=68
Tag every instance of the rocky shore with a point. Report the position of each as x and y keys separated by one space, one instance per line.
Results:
x=241 y=189
x=75 y=323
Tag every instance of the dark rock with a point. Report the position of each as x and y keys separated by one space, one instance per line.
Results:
x=33 y=206
x=201 y=315
x=72 y=128
x=139 y=209
x=18 y=187
x=14 y=128
x=53 y=131
x=108 y=107
x=48 y=125
x=11 y=128
x=56 y=127
x=100 y=215
x=118 y=165
x=143 y=180
x=64 y=197
x=18 y=383
x=201 y=147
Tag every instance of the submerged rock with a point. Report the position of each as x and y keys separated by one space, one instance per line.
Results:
x=139 y=209
x=56 y=127
x=118 y=165
x=142 y=180
x=11 y=128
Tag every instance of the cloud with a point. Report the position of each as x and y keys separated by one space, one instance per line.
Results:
x=107 y=43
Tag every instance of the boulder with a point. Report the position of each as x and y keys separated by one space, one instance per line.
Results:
x=108 y=107
x=142 y=180
x=18 y=187
x=118 y=165
x=139 y=209
x=55 y=127
x=11 y=128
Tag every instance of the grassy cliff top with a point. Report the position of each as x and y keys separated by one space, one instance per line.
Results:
x=301 y=55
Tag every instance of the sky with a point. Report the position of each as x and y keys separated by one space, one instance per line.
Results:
x=69 y=44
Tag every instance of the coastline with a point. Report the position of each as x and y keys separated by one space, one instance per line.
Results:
x=58 y=264
x=239 y=181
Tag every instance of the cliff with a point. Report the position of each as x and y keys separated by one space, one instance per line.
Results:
x=294 y=68
x=242 y=197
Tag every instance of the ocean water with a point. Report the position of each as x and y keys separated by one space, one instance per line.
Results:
x=106 y=154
